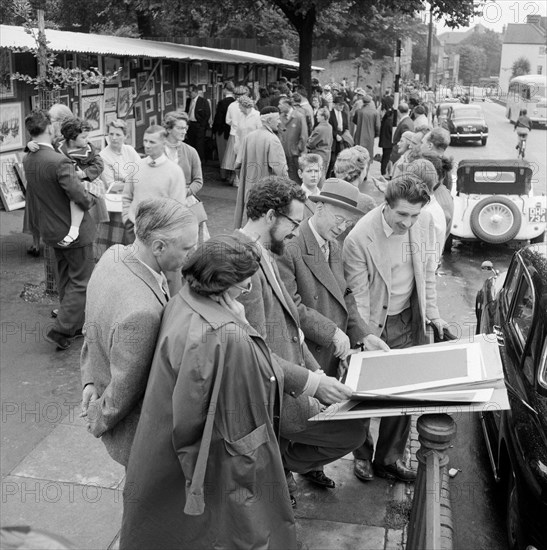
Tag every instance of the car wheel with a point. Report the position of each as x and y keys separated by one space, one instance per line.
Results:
x=495 y=220
x=512 y=519
x=483 y=141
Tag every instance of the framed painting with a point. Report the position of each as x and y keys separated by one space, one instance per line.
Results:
x=147 y=63
x=141 y=81
x=110 y=99
x=110 y=66
x=168 y=75
x=33 y=102
x=65 y=100
x=241 y=73
x=126 y=71
x=157 y=76
x=180 y=98
x=183 y=74
x=139 y=113
x=133 y=82
x=7 y=85
x=97 y=142
x=230 y=72
x=19 y=168
x=93 y=112
x=87 y=61
x=168 y=98
x=153 y=121
x=11 y=129
x=108 y=118
x=194 y=73
x=204 y=73
x=124 y=102
x=11 y=190
x=149 y=105
x=130 y=138
x=151 y=87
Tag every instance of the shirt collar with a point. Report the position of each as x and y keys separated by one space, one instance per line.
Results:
x=308 y=192
x=387 y=229
x=160 y=278
x=160 y=160
x=318 y=237
x=45 y=144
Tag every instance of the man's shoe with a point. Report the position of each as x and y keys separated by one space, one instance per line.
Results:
x=318 y=477
x=292 y=486
x=54 y=312
x=61 y=340
x=362 y=469
x=397 y=470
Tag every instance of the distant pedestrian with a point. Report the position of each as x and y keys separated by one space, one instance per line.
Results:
x=367 y=125
x=320 y=140
x=199 y=112
x=293 y=134
x=386 y=133
x=221 y=129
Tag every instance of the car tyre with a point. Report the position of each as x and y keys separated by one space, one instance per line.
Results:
x=512 y=518
x=495 y=220
x=483 y=141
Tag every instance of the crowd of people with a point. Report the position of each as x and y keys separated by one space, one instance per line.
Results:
x=204 y=357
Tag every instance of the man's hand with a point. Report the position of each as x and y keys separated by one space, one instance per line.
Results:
x=373 y=342
x=331 y=391
x=32 y=146
x=338 y=137
x=89 y=394
x=441 y=325
x=341 y=344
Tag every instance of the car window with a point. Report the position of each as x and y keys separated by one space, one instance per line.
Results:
x=542 y=378
x=496 y=176
x=523 y=310
x=467 y=113
x=511 y=282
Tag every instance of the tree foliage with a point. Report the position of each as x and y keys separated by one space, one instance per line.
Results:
x=521 y=66
x=472 y=63
x=490 y=43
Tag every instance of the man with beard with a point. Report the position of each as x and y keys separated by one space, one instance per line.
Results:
x=275 y=209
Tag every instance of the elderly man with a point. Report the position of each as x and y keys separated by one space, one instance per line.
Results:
x=53 y=184
x=389 y=262
x=367 y=125
x=293 y=133
x=313 y=274
x=125 y=300
x=275 y=209
x=262 y=155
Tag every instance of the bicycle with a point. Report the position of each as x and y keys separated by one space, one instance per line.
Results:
x=521 y=147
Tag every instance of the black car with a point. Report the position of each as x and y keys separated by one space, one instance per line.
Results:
x=513 y=306
x=466 y=123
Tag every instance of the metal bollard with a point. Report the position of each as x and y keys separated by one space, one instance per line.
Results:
x=430 y=526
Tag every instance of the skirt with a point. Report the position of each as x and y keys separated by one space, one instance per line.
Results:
x=229 y=159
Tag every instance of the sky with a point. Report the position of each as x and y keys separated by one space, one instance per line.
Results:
x=498 y=13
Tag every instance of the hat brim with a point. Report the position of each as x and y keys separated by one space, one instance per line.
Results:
x=335 y=202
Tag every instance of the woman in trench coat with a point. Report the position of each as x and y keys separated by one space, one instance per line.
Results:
x=205 y=469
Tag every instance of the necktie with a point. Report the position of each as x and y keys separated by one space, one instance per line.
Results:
x=326 y=252
x=152 y=162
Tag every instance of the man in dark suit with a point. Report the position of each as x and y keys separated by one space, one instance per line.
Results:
x=52 y=181
x=199 y=113
x=405 y=124
x=339 y=121
x=312 y=271
x=275 y=208
x=126 y=296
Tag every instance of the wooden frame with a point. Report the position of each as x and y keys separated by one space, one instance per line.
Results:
x=11 y=191
x=183 y=74
x=133 y=83
x=108 y=117
x=126 y=71
x=139 y=113
x=168 y=98
x=168 y=75
x=194 y=74
x=149 y=105
x=110 y=99
x=151 y=87
x=93 y=111
x=147 y=63
x=153 y=121
x=124 y=101
x=111 y=65
x=65 y=100
x=11 y=130
x=86 y=61
x=131 y=137
x=204 y=73
x=7 y=85
x=180 y=98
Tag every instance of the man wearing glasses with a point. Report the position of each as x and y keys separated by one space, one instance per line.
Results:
x=275 y=209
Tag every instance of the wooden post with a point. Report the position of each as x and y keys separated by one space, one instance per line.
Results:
x=430 y=526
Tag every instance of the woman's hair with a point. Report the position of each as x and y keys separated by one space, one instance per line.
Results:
x=324 y=112
x=350 y=163
x=60 y=112
x=119 y=124
x=443 y=164
x=73 y=127
x=219 y=263
x=171 y=119
x=387 y=103
x=245 y=101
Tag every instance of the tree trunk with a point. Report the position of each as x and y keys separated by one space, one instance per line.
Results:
x=305 y=33
x=145 y=24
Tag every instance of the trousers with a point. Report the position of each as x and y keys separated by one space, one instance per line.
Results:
x=394 y=430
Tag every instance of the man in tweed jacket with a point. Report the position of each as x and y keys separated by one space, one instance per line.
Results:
x=125 y=300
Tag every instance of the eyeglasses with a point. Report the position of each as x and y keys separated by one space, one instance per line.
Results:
x=245 y=289
x=340 y=220
x=294 y=222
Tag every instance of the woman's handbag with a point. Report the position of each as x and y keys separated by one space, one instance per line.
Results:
x=196 y=206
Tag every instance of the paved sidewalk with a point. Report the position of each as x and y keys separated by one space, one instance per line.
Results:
x=57 y=477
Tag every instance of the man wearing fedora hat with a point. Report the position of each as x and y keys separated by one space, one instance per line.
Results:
x=367 y=125
x=312 y=270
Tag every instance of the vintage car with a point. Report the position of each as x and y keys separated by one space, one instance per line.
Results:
x=442 y=110
x=513 y=306
x=466 y=122
x=494 y=202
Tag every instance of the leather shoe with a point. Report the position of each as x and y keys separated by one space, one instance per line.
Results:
x=318 y=477
x=292 y=486
x=62 y=341
x=397 y=470
x=362 y=469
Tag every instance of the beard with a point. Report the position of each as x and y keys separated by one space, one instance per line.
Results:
x=276 y=245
